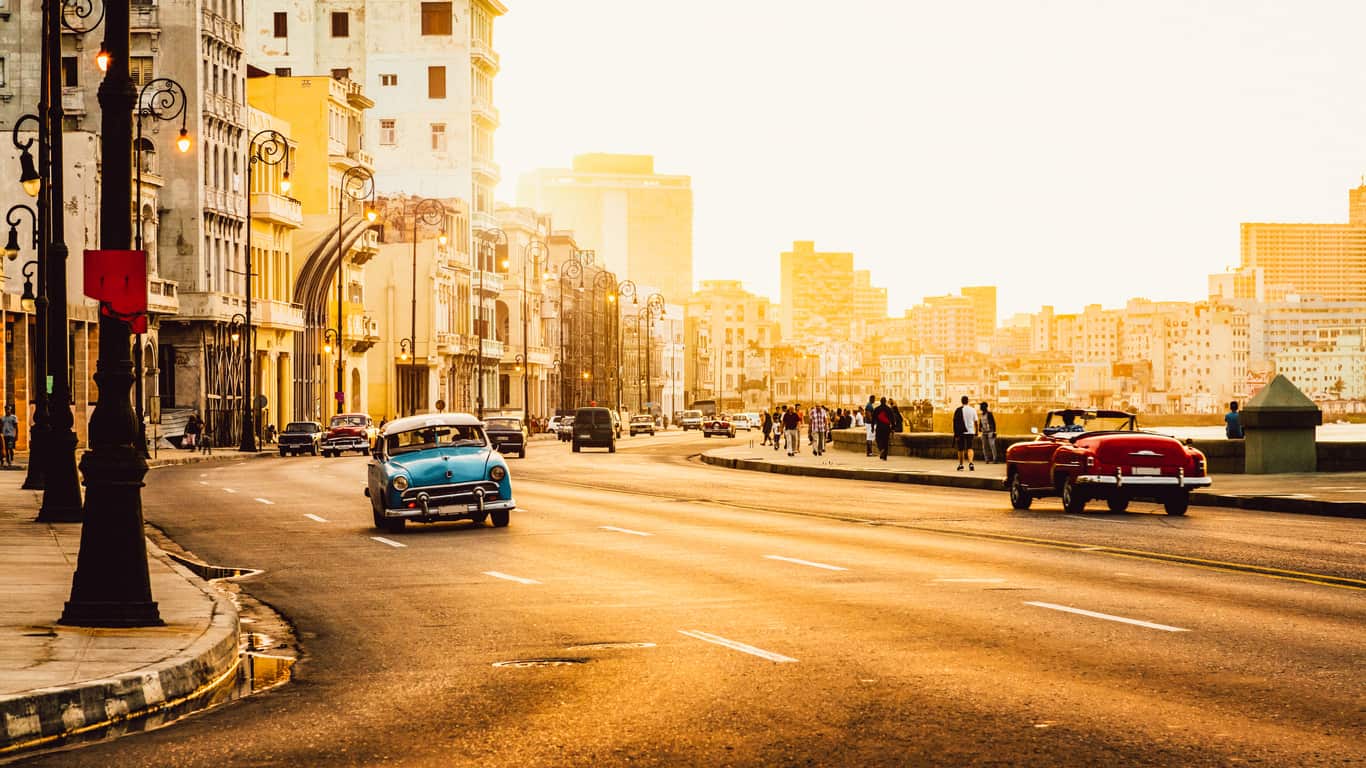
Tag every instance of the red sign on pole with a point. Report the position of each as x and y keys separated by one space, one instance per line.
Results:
x=118 y=281
x=341 y=396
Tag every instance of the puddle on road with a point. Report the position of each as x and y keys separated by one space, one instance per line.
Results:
x=530 y=663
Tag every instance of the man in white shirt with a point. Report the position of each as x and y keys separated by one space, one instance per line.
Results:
x=964 y=431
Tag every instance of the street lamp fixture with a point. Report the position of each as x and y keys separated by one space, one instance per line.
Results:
x=357 y=183
x=268 y=147
x=235 y=324
x=28 y=170
x=403 y=346
x=29 y=301
x=102 y=58
x=432 y=213
x=329 y=336
x=12 y=218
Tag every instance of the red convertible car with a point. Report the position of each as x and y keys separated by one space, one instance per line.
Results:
x=1085 y=454
x=718 y=425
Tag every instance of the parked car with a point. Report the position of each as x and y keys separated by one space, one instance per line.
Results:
x=506 y=434
x=718 y=425
x=642 y=424
x=746 y=421
x=349 y=432
x=690 y=420
x=616 y=424
x=301 y=437
x=552 y=425
x=565 y=430
x=437 y=466
x=1086 y=454
x=593 y=427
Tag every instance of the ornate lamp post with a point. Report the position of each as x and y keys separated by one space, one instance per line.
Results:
x=268 y=147
x=490 y=240
x=559 y=387
x=572 y=270
x=535 y=256
x=431 y=213
x=357 y=183
x=36 y=304
x=161 y=99
x=625 y=289
x=111 y=586
x=654 y=303
x=520 y=362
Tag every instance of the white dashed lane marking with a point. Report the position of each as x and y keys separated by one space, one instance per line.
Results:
x=1105 y=616
x=390 y=542
x=624 y=530
x=264 y=501
x=508 y=577
x=203 y=482
x=316 y=519
x=230 y=490
x=707 y=637
x=970 y=581
x=805 y=562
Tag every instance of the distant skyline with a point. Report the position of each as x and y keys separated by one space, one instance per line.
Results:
x=1067 y=152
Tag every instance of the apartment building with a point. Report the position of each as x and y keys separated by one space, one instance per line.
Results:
x=1327 y=261
x=738 y=330
x=817 y=287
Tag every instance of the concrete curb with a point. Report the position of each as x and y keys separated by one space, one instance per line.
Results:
x=1261 y=503
x=49 y=716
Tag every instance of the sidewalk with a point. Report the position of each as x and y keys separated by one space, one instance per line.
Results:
x=57 y=682
x=1339 y=494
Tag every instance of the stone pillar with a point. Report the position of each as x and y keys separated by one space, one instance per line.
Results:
x=1278 y=428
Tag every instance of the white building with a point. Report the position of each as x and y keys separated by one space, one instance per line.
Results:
x=429 y=66
x=907 y=378
x=1332 y=370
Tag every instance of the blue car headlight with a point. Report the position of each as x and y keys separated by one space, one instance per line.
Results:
x=498 y=473
x=400 y=483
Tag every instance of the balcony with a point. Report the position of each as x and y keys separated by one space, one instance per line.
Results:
x=282 y=315
x=485 y=112
x=223 y=107
x=222 y=28
x=365 y=247
x=144 y=17
x=486 y=168
x=483 y=56
x=268 y=206
x=540 y=355
x=222 y=202
x=161 y=297
x=447 y=342
x=491 y=283
x=362 y=330
x=73 y=100
x=493 y=348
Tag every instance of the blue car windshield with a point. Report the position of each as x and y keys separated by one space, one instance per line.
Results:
x=433 y=437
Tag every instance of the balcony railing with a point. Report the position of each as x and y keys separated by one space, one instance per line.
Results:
x=486 y=168
x=73 y=100
x=481 y=54
x=222 y=28
x=279 y=314
x=144 y=17
x=161 y=296
x=269 y=206
x=222 y=201
x=482 y=110
x=223 y=108
x=491 y=283
x=493 y=348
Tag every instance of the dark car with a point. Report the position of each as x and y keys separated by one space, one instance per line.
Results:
x=594 y=428
x=565 y=429
x=301 y=437
x=1087 y=454
x=505 y=432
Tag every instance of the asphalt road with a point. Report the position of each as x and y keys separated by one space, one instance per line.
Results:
x=715 y=617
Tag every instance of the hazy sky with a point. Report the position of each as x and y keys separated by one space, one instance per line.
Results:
x=1069 y=152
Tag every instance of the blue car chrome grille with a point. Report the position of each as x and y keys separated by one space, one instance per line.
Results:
x=454 y=493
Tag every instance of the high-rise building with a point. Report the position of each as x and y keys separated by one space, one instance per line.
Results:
x=638 y=222
x=945 y=325
x=1327 y=261
x=817 y=293
x=984 y=307
x=429 y=66
x=735 y=330
x=870 y=301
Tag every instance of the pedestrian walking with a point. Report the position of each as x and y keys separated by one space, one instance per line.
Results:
x=1233 y=423
x=882 y=428
x=767 y=428
x=791 y=421
x=819 y=424
x=777 y=428
x=964 y=431
x=870 y=429
x=9 y=431
x=988 y=422
x=192 y=427
x=205 y=438
x=897 y=421
x=801 y=419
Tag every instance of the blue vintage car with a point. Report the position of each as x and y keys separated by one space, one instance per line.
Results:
x=437 y=467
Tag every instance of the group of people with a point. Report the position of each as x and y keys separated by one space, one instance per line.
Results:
x=967 y=425
x=197 y=435
x=783 y=427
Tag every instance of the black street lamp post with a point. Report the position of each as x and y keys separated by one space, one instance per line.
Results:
x=572 y=270
x=534 y=256
x=268 y=147
x=36 y=304
x=429 y=212
x=111 y=587
x=625 y=289
x=653 y=304
x=490 y=239
x=357 y=183
x=162 y=99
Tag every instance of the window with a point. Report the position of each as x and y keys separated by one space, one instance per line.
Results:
x=436 y=18
x=438 y=137
x=387 y=133
x=283 y=71
x=436 y=82
x=69 y=70
x=341 y=73
x=281 y=24
x=140 y=70
x=2 y=71
x=341 y=24
x=388 y=79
